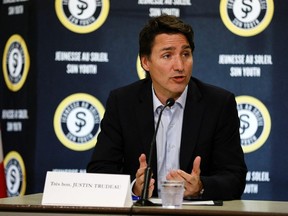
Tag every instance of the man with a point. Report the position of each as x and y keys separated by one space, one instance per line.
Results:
x=198 y=139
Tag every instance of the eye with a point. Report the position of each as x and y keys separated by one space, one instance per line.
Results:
x=186 y=54
x=166 y=56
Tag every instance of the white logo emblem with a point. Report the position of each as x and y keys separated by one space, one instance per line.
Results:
x=255 y=123
x=246 y=17
x=15 y=174
x=16 y=62
x=77 y=121
x=82 y=16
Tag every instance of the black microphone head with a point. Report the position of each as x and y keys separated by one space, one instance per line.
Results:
x=170 y=102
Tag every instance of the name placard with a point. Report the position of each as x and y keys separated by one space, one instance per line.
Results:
x=87 y=189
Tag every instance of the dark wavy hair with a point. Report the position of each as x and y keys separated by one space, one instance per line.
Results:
x=167 y=24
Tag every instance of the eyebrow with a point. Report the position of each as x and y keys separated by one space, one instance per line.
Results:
x=186 y=47
x=173 y=48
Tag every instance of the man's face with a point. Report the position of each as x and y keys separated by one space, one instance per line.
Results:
x=170 y=65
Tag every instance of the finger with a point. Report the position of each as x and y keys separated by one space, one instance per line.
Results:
x=185 y=176
x=142 y=161
x=174 y=175
x=152 y=181
x=196 y=166
x=151 y=187
x=142 y=166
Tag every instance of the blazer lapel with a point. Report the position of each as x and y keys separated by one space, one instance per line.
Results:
x=191 y=124
x=145 y=116
x=145 y=121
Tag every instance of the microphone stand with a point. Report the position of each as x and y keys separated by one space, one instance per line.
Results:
x=143 y=201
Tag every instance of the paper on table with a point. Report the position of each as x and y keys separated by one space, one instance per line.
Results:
x=185 y=202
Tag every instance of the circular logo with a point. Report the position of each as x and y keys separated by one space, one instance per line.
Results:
x=82 y=16
x=16 y=62
x=15 y=174
x=255 y=123
x=246 y=17
x=77 y=121
x=140 y=71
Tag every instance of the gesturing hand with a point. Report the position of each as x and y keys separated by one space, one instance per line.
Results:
x=140 y=174
x=192 y=182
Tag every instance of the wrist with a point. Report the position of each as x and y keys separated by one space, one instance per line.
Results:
x=201 y=189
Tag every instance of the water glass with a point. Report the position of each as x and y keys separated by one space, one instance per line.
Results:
x=172 y=193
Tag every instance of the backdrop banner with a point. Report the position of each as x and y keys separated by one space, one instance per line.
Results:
x=61 y=58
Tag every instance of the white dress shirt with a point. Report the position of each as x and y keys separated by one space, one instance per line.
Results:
x=168 y=138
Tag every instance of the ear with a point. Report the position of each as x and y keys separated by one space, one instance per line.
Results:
x=145 y=63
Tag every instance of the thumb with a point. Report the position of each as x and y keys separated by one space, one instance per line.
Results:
x=142 y=161
x=196 y=166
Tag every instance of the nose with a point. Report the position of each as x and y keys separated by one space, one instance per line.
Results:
x=178 y=64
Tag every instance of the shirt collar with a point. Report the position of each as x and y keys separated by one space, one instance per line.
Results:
x=180 y=101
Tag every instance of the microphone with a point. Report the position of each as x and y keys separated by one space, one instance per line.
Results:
x=143 y=201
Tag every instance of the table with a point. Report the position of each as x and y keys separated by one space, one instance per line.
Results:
x=31 y=205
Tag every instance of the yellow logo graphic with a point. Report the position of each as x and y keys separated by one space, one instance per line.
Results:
x=246 y=17
x=77 y=121
x=82 y=16
x=255 y=123
x=16 y=62
x=15 y=174
x=140 y=71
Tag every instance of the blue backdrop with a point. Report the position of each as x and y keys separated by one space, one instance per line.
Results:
x=61 y=58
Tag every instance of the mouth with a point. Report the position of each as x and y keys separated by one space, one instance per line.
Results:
x=178 y=79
